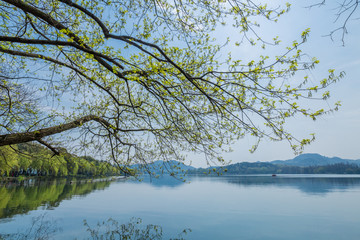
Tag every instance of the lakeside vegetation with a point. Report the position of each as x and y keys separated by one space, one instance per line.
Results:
x=24 y=160
x=35 y=160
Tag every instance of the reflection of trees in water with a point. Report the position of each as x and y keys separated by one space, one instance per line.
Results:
x=43 y=228
x=164 y=180
x=310 y=185
x=112 y=229
x=20 y=199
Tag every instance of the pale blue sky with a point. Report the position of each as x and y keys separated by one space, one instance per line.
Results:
x=336 y=134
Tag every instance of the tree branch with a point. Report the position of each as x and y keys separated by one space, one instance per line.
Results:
x=58 y=43
x=54 y=150
x=37 y=135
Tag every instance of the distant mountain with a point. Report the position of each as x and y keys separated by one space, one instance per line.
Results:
x=270 y=168
x=160 y=167
x=313 y=159
x=302 y=164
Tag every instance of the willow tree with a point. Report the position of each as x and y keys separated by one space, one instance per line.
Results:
x=147 y=79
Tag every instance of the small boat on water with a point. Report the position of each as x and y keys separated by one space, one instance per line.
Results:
x=274 y=175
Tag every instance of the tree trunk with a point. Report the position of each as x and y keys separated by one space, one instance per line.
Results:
x=16 y=138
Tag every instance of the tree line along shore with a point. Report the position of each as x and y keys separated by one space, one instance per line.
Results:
x=34 y=160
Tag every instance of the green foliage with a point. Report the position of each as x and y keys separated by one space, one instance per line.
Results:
x=33 y=159
x=149 y=77
x=8 y=160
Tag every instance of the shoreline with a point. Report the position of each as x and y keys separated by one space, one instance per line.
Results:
x=70 y=179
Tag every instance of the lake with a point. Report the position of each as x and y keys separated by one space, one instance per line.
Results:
x=226 y=207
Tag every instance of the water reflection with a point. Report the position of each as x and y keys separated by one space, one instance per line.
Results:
x=30 y=195
x=164 y=181
x=226 y=207
x=41 y=228
x=309 y=184
x=20 y=198
x=44 y=228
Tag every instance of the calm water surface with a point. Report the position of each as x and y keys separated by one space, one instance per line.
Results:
x=227 y=207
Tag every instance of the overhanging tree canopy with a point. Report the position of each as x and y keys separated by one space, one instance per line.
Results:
x=145 y=79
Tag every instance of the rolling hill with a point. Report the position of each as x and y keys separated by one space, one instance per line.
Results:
x=314 y=159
